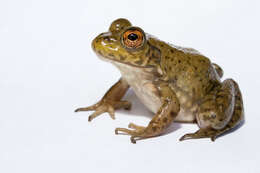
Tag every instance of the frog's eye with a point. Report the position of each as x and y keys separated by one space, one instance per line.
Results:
x=133 y=38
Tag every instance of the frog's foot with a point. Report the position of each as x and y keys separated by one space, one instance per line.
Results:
x=138 y=132
x=201 y=133
x=136 y=127
x=105 y=106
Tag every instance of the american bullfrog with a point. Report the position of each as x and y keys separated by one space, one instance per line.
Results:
x=177 y=84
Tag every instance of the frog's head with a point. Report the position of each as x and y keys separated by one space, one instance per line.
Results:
x=123 y=43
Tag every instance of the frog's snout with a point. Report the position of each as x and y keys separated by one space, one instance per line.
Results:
x=95 y=42
x=104 y=41
x=106 y=45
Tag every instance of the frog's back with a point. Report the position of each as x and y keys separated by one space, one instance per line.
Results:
x=187 y=71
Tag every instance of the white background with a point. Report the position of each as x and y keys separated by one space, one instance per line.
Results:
x=48 y=69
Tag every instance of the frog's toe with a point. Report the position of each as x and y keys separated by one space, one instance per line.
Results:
x=193 y=136
x=123 y=131
x=187 y=136
x=95 y=114
x=136 y=132
x=201 y=133
x=213 y=138
x=102 y=109
x=134 y=126
x=133 y=139
x=89 y=108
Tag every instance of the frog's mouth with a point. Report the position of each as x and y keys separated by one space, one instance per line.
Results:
x=114 y=60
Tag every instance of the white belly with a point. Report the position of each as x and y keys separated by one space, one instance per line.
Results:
x=141 y=81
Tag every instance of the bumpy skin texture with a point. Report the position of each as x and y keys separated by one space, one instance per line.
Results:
x=177 y=84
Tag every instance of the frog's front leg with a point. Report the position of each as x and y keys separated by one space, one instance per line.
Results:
x=164 y=117
x=220 y=111
x=110 y=101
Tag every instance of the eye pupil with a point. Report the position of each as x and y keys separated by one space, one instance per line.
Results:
x=132 y=37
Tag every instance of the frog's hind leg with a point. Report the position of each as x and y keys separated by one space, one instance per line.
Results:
x=236 y=119
x=238 y=114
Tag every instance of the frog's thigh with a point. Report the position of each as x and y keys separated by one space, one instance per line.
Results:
x=164 y=117
x=226 y=116
x=216 y=109
x=237 y=116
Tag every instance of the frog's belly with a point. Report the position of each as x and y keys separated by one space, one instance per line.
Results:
x=141 y=82
x=148 y=94
x=151 y=100
x=149 y=97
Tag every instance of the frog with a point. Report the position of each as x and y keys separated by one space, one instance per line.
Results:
x=176 y=84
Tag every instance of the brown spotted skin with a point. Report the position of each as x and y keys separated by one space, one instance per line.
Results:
x=177 y=84
x=237 y=118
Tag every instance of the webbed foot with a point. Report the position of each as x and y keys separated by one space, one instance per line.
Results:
x=201 y=133
x=137 y=132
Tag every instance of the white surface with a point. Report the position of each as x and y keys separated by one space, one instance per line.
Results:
x=47 y=69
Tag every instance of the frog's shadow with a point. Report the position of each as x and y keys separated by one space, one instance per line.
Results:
x=139 y=109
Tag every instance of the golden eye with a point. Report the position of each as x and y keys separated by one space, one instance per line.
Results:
x=133 y=38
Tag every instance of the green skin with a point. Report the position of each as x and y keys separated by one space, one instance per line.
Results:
x=177 y=84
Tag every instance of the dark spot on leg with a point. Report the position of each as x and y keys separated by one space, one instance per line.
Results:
x=122 y=58
x=110 y=54
x=239 y=108
x=179 y=61
x=165 y=120
x=173 y=114
x=139 y=62
x=154 y=128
